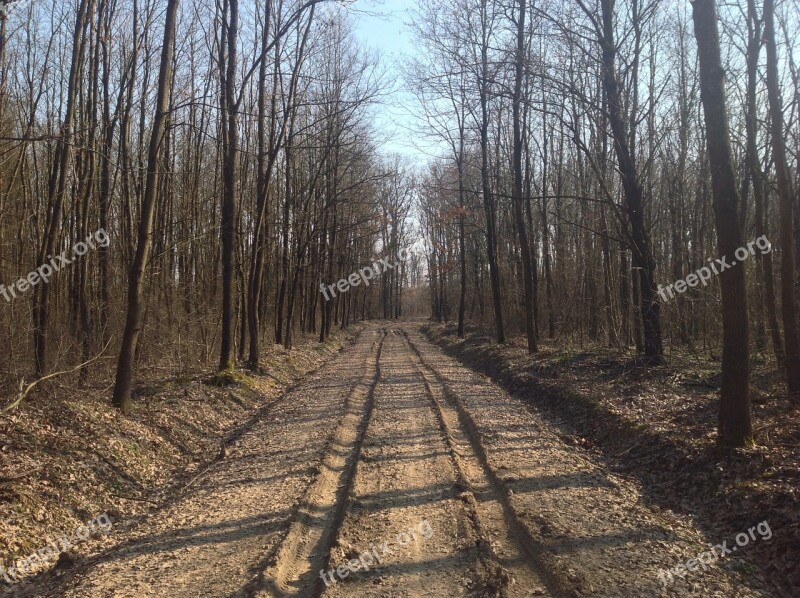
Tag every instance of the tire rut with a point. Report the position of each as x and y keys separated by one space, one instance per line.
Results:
x=218 y=537
x=408 y=499
x=494 y=507
x=306 y=545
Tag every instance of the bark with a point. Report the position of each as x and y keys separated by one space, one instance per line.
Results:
x=462 y=244
x=122 y=386
x=284 y=269
x=643 y=259
x=265 y=160
x=104 y=199
x=519 y=218
x=786 y=201
x=486 y=185
x=228 y=51
x=735 y=425
x=757 y=179
x=57 y=185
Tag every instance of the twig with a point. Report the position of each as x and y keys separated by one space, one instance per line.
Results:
x=199 y=475
x=14 y=478
x=152 y=502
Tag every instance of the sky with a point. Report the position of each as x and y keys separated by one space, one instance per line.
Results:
x=380 y=24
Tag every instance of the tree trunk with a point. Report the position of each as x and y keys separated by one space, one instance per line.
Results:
x=122 y=386
x=643 y=258
x=735 y=426
x=230 y=152
x=56 y=189
x=260 y=228
x=757 y=179
x=488 y=197
x=519 y=218
x=786 y=201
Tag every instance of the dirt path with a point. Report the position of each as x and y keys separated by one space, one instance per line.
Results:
x=394 y=472
x=412 y=500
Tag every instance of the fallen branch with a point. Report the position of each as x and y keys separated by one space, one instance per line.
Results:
x=25 y=390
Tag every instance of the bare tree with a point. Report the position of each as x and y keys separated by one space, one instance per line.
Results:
x=123 y=383
x=525 y=248
x=786 y=201
x=735 y=426
x=57 y=186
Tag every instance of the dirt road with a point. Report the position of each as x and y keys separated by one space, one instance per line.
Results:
x=395 y=471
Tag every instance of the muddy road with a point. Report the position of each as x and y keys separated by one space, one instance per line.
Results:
x=396 y=471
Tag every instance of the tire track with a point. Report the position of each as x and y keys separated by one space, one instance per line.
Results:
x=591 y=528
x=505 y=562
x=406 y=479
x=471 y=458
x=306 y=545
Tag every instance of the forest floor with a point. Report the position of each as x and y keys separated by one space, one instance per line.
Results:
x=394 y=470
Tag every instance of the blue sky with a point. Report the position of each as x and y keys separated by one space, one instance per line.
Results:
x=381 y=25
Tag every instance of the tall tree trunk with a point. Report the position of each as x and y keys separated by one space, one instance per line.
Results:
x=786 y=201
x=230 y=152
x=643 y=258
x=546 y=252
x=105 y=170
x=279 y=332
x=462 y=241
x=462 y=253
x=488 y=197
x=122 y=386
x=264 y=168
x=56 y=189
x=735 y=425
x=519 y=218
x=766 y=276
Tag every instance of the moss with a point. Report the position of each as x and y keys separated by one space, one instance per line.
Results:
x=229 y=377
x=729 y=447
x=743 y=567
